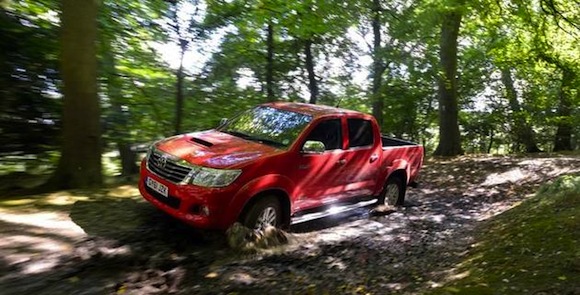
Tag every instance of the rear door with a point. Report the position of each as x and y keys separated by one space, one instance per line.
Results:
x=361 y=158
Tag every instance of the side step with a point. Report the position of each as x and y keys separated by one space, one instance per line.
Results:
x=331 y=211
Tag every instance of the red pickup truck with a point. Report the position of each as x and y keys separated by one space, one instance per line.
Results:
x=277 y=164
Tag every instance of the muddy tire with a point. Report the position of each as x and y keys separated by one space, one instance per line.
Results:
x=393 y=193
x=263 y=213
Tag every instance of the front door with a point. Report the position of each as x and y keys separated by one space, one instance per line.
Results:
x=316 y=175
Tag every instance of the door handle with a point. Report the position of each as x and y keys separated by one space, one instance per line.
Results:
x=341 y=162
x=374 y=157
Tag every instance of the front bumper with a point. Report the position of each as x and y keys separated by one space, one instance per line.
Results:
x=200 y=207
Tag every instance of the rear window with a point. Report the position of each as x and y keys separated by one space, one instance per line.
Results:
x=360 y=133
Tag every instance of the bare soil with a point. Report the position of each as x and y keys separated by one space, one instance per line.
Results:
x=110 y=241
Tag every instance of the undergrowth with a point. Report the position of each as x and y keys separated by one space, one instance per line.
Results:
x=531 y=249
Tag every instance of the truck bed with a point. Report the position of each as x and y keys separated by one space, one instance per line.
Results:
x=391 y=141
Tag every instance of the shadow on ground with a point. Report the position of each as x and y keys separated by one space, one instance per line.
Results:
x=110 y=241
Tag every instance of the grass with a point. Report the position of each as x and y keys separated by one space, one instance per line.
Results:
x=531 y=249
x=22 y=174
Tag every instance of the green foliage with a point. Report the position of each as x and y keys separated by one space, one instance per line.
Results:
x=537 y=42
x=528 y=249
x=29 y=81
x=137 y=84
x=293 y=23
x=479 y=129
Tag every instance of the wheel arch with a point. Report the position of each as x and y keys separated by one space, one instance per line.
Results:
x=282 y=197
x=271 y=184
x=400 y=173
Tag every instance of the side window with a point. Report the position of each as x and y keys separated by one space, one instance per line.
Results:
x=328 y=132
x=360 y=133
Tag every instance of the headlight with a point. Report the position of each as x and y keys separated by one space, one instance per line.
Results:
x=209 y=177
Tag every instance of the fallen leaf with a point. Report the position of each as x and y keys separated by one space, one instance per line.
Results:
x=211 y=275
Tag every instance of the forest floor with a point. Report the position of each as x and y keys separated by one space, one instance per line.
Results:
x=110 y=241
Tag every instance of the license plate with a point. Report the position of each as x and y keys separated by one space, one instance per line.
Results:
x=157 y=186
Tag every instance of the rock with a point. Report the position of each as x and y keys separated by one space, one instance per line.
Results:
x=382 y=210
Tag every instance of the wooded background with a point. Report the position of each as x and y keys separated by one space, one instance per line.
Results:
x=83 y=77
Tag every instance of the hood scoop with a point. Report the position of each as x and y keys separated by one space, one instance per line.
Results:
x=201 y=141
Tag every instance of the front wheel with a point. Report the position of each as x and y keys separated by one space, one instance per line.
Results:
x=393 y=193
x=263 y=213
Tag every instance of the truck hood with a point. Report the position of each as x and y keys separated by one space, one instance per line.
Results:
x=215 y=149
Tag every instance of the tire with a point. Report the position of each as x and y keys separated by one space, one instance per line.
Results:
x=263 y=213
x=393 y=193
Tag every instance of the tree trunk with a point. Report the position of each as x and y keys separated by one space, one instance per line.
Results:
x=490 y=145
x=522 y=131
x=80 y=163
x=378 y=67
x=179 y=88
x=312 y=83
x=449 y=137
x=128 y=158
x=563 y=140
x=270 y=63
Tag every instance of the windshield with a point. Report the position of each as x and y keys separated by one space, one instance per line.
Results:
x=267 y=125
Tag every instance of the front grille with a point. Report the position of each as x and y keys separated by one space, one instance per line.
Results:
x=166 y=167
x=170 y=201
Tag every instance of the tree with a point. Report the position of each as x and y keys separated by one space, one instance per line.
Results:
x=309 y=64
x=378 y=63
x=184 y=29
x=568 y=95
x=80 y=162
x=522 y=130
x=449 y=137
x=315 y=25
x=555 y=31
x=270 y=81
x=250 y=18
x=134 y=79
x=301 y=33
x=29 y=115
x=118 y=118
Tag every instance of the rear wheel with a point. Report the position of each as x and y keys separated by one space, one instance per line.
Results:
x=263 y=213
x=393 y=193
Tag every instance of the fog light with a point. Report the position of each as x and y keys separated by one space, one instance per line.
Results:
x=199 y=210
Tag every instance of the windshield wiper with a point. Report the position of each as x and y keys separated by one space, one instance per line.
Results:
x=254 y=138
x=238 y=134
x=267 y=141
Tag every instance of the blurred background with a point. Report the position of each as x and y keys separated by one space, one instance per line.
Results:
x=495 y=76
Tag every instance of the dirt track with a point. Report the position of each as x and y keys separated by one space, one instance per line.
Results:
x=110 y=241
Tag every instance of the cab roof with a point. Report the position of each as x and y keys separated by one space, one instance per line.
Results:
x=315 y=110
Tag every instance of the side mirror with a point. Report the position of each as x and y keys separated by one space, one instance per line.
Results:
x=313 y=146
